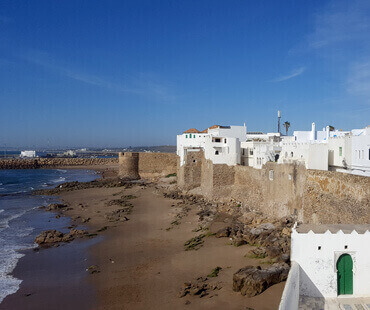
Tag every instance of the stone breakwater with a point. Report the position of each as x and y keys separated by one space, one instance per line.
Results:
x=54 y=162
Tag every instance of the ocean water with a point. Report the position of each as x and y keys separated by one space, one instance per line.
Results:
x=20 y=218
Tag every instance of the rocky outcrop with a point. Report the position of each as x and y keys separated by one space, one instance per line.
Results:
x=117 y=216
x=56 y=207
x=71 y=186
x=53 y=237
x=271 y=239
x=251 y=281
x=200 y=287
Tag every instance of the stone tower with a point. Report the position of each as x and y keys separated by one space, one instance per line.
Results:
x=129 y=165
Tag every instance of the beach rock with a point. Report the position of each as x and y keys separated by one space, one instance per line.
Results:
x=117 y=215
x=93 y=269
x=49 y=237
x=56 y=207
x=52 y=237
x=223 y=232
x=200 y=287
x=252 y=281
x=259 y=252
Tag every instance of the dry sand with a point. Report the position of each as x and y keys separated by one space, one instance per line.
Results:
x=144 y=266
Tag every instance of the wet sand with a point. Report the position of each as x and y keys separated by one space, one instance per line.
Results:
x=143 y=265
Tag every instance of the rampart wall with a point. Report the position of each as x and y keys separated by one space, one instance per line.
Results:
x=280 y=190
x=152 y=164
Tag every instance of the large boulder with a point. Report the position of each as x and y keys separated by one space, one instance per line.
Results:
x=252 y=281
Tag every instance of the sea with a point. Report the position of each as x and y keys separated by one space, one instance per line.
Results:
x=21 y=220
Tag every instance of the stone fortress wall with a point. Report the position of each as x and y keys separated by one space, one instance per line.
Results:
x=36 y=163
x=278 y=190
x=147 y=165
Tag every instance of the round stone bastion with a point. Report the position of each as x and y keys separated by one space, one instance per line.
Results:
x=129 y=165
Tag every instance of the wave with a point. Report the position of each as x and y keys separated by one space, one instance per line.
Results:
x=61 y=179
x=61 y=170
x=10 y=257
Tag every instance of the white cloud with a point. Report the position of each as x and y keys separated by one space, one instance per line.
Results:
x=294 y=73
x=144 y=85
x=358 y=82
x=341 y=22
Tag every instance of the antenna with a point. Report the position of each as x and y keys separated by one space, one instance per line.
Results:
x=279 y=117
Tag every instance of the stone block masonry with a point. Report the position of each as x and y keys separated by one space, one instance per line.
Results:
x=129 y=165
x=147 y=165
x=320 y=197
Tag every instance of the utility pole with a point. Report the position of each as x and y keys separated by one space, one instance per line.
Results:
x=279 y=117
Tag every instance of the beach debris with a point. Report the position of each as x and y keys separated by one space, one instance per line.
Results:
x=53 y=237
x=194 y=243
x=214 y=272
x=251 y=280
x=93 y=269
x=200 y=287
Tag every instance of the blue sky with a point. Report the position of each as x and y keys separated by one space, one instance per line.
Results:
x=120 y=73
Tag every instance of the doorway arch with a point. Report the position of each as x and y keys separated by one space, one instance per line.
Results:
x=345 y=275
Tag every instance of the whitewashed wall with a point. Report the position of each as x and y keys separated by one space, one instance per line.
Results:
x=318 y=277
x=290 y=297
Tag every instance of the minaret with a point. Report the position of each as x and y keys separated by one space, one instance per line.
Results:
x=279 y=117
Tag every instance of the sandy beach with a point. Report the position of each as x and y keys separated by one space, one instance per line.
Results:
x=140 y=259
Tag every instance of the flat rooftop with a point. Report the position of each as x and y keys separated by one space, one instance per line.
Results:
x=333 y=228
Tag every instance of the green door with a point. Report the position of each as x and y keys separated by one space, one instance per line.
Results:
x=345 y=274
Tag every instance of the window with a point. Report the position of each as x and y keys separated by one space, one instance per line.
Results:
x=340 y=151
x=225 y=140
x=216 y=152
x=291 y=154
x=217 y=140
x=251 y=152
x=186 y=136
x=346 y=247
x=363 y=154
x=319 y=247
x=190 y=136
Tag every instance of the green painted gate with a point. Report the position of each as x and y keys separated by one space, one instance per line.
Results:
x=345 y=274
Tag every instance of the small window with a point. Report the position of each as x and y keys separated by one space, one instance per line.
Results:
x=186 y=136
x=251 y=152
x=271 y=175
x=363 y=154
x=216 y=152
x=225 y=140
x=291 y=154
x=319 y=247
x=194 y=161
x=346 y=247
x=190 y=136
x=340 y=151
x=217 y=140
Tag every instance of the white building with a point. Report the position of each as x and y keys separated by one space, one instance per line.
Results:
x=256 y=153
x=221 y=144
x=28 y=154
x=330 y=268
x=328 y=149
